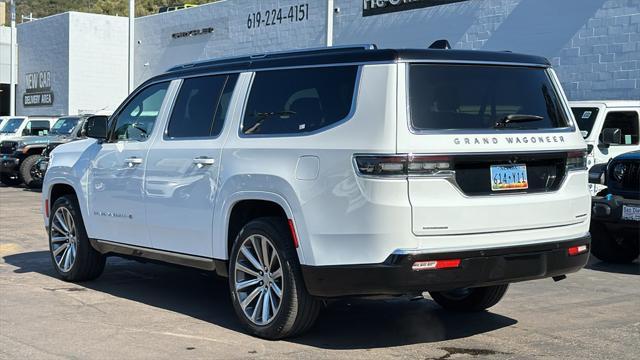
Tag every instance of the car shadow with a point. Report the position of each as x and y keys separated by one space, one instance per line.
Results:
x=343 y=324
x=632 y=268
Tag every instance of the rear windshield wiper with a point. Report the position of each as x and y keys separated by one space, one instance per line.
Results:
x=516 y=118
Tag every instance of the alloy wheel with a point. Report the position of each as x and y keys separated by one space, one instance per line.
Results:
x=64 y=241
x=258 y=279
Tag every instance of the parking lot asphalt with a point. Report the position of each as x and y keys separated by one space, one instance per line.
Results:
x=138 y=310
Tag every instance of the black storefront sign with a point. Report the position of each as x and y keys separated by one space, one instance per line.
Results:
x=377 y=7
x=38 y=92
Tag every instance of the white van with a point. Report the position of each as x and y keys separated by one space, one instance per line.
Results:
x=317 y=174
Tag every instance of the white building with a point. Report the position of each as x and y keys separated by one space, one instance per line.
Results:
x=593 y=44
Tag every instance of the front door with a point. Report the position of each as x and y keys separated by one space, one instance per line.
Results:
x=115 y=186
x=182 y=167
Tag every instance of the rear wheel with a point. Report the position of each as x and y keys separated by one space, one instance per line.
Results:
x=470 y=299
x=267 y=289
x=29 y=173
x=610 y=247
x=10 y=180
x=73 y=256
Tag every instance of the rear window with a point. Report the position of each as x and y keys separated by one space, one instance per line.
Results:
x=298 y=101
x=585 y=117
x=451 y=97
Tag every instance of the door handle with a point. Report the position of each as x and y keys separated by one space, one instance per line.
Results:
x=132 y=161
x=202 y=161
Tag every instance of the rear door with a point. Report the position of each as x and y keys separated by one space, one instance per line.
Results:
x=183 y=165
x=492 y=144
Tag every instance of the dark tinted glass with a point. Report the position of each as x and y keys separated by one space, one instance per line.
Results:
x=627 y=122
x=136 y=120
x=477 y=97
x=298 y=101
x=201 y=106
x=585 y=117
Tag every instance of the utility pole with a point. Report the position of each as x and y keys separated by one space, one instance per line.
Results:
x=132 y=15
x=12 y=61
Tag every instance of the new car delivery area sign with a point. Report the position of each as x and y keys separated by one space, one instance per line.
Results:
x=376 y=7
x=38 y=92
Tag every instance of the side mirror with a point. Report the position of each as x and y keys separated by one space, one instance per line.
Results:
x=611 y=136
x=597 y=174
x=96 y=127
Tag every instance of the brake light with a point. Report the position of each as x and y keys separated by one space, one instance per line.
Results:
x=577 y=250
x=404 y=165
x=577 y=160
x=435 y=264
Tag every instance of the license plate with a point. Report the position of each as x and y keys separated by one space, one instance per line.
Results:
x=509 y=177
x=631 y=213
x=43 y=165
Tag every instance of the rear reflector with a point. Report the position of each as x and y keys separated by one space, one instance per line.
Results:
x=435 y=264
x=577 y=250
x=293 y=233
x=46 y=208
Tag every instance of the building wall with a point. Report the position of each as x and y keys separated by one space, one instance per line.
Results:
x=157 y=50
x=5 y=58
x=98 y=62
x=44 y=46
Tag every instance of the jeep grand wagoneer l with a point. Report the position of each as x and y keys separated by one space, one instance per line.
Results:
x=335 y=172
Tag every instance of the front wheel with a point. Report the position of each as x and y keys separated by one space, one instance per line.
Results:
x=267 y=289
x=73 y=256
x=29 y=172
x=470 y=299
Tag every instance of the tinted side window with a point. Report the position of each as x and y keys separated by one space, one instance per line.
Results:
x=627 y=122
x=298 y=101
x=136 y=120
x=201 y=106
x=36 y=128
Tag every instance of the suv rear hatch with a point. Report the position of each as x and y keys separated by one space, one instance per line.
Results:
x=490 y=149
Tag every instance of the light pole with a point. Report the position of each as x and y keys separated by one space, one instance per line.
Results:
x=132 y=15
x=12 y=61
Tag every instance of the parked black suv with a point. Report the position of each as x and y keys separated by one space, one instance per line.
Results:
x=19 y=156
x=615 y=216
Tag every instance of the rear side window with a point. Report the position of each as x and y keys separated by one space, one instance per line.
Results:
x=585 y=117
x=36 y=128
x=298 y=101
x=472 y=97
x=627 y=122
x=201 y=106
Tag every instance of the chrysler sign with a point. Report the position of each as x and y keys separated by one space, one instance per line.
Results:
x=38 y=92
x=376 y=7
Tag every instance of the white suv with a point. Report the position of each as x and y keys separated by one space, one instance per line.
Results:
x=337 y=172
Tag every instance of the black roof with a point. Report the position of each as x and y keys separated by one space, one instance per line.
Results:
x=345 y=55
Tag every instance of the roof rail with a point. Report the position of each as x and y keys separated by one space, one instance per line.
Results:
x=275 y=54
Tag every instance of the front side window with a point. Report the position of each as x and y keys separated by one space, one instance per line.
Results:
x=64 y=126
x=585 y=117
x=136 y=120
x=298 y=101
x=474 y=97
x=11 y=126
x=201 y=106
x=627 y=122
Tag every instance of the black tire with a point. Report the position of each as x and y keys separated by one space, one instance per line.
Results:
x=610 y=248
x=26 y=172
x=472 y=299
x=298 y=310
x=10 y=180
x=88 y=263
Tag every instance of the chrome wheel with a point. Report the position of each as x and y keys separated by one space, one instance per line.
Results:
x=258 y=279
x=64 y=241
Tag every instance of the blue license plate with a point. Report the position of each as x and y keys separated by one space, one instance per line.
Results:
x=509 y=177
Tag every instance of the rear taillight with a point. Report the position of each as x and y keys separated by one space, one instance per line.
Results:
x=577 y=160
x=435 y=264
x=577 y=250
x=404 y=165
